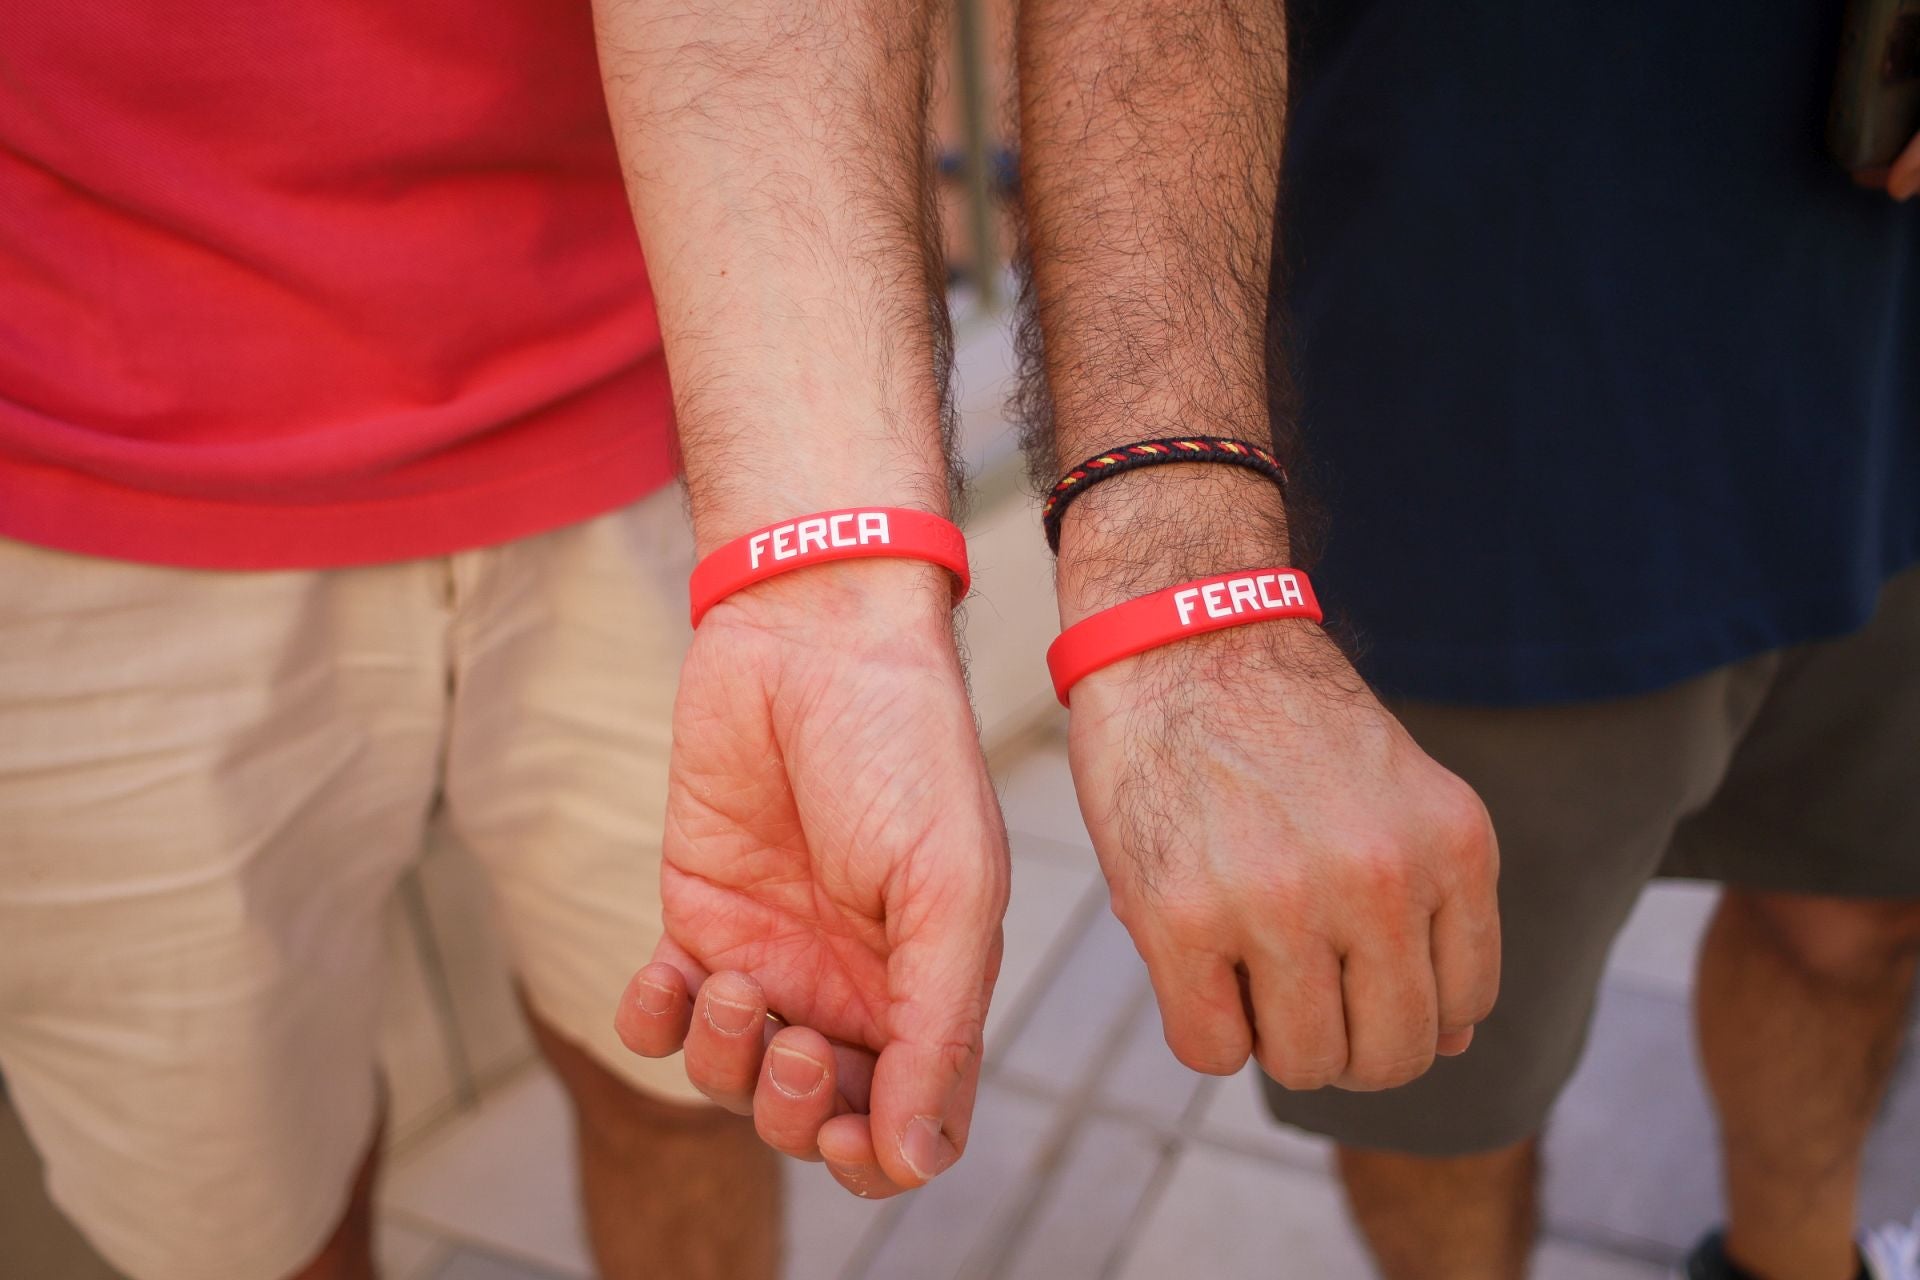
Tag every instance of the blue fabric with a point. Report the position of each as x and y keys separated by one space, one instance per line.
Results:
x=1608 y=375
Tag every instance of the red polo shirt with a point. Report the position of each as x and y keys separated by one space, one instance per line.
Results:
x=314 y=285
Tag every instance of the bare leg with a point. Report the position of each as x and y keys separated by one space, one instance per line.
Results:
x=1800 y=1006
x=348 y=1253
x=1462 y=1218
x=670 y=1190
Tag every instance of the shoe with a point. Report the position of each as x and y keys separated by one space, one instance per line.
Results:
x=1892 y=1252
x=1708 y=1261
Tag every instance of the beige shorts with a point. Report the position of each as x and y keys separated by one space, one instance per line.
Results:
x=1796 y=771
x=210 y=784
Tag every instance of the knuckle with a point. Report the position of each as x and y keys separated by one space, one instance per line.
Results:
x=1470 y=1003
x=1207 y=1058
x=784 y=1138
x=1388 y=1072
x=1289 y=897
x=721 y=1083
x=1480 y=1007
x=1382 y=871
x=726 y=1099
x=1298 y=1074
x=1469 y=828
x=1126 y=903
x=958 y=1053
x=1188 y=918
x=1471 y=1011
x=639 y=1041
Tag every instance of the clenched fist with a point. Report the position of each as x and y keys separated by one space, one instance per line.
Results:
x=1305 y=884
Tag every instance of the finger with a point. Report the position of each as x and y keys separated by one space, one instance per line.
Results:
x=668 y=952
x=1300 y=1030
x=1391 y=1010
x=1452 y=1044
x=1201 y=1009
x=796 y=1093
x=788 y=1117
x=726 y=1039
x=941 y=972
x=654 y=1012
x=846 y=1144
x=1903 y=179
x=1466 y=959
x=853 y=1076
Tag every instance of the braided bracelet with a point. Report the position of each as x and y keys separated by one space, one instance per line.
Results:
x=1151 y=453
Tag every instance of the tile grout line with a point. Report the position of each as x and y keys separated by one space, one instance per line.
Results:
x=873 y=1238
x=430 y=1265
x=994 y=1256
x=1056 y=850
x=1620 y=1245
x=454 y=1238
x=1078 y=922
x=449 y=1114
x=1092 y=901
x=1184 y=1129
x=1174 y=1141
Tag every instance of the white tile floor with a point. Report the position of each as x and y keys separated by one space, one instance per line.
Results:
x=1097 y=1157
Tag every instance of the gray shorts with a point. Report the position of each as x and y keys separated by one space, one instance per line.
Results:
x=1797 y=771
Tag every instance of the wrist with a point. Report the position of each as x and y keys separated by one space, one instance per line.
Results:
x=721 y=513
x=1146 y=530
x=739 y=480
x=822 y=538
x=897 y=597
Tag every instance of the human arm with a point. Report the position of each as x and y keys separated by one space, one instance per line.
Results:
x=1903 y=179
x=833 y=852
x=1304 y=883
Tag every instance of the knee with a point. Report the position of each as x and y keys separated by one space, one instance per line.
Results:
x=617 y=1117
x=1843 y=941
x=621 y=1119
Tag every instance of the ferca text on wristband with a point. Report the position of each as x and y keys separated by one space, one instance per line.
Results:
x=1153 y=453
x=851 y=533
x=1190 y=609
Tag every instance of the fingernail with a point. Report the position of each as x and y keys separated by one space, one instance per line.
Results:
x=652 y=997
x=924 y=1148
x=728 y=1018
x=793 y=1073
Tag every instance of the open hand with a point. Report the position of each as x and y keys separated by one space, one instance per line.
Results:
x=833 y=856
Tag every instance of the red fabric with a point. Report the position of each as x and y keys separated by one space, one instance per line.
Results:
x=310 y=285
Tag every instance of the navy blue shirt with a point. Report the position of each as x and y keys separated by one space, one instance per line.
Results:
x=1608 y=374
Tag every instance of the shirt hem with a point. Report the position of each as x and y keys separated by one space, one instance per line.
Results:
x=68 y=511
x=1521 y=675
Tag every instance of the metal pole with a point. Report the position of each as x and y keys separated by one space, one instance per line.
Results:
x=975 y=113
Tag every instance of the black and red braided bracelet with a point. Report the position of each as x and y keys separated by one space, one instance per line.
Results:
x=1152 y=453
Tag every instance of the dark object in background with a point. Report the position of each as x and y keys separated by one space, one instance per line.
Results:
x=1876 y=96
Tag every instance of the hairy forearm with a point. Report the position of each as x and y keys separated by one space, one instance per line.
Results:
x=776 y=160
x=1150 y=148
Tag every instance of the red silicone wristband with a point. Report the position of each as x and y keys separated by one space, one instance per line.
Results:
x=1190 y=609
x=849 y=534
